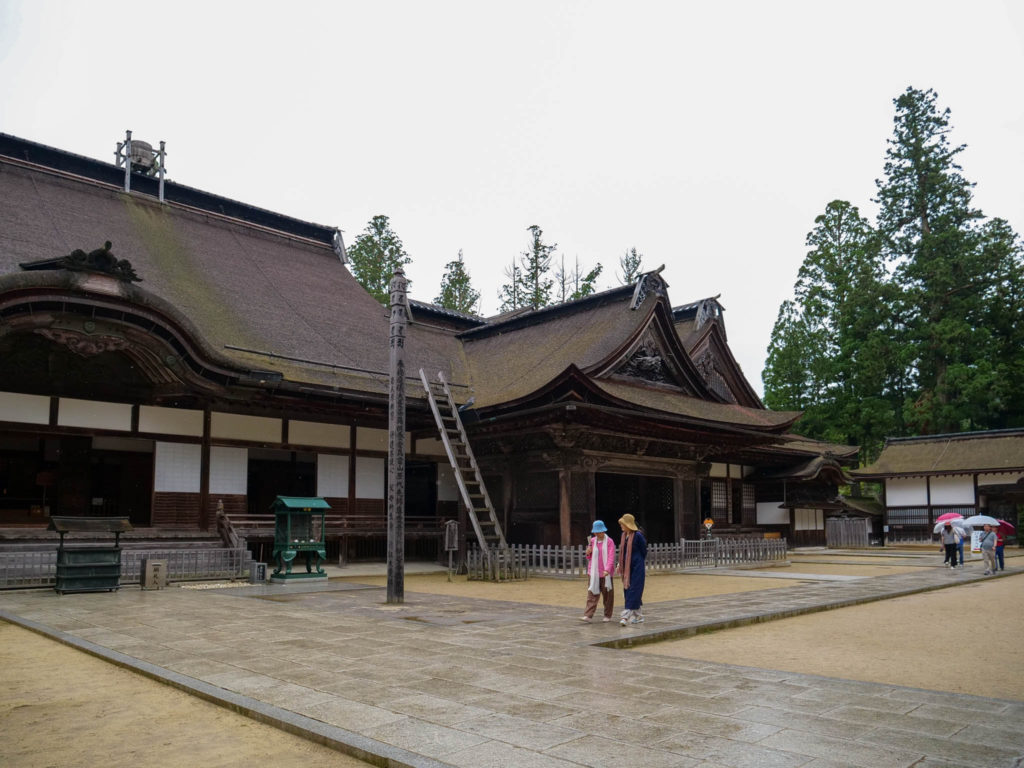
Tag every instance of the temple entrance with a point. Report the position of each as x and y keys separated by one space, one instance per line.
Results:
x=648 y=499
x=420 y=489
x=275 y=473
x=76 y=476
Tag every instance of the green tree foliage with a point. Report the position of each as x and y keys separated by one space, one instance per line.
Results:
x=536 y=263
x=630 y=267
x=946 y=265
x=829 y=354
x=529 y=284
x=914 y=326
x=512 y=293
x=457 y=291
x=375 y=255
x=574 y=284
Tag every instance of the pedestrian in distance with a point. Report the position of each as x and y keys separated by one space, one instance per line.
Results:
x=1000 y=544
x=600 y=566
x=950 y=539
x=632 y=569
x=988 y=549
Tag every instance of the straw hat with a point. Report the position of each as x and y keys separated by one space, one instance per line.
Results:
x=628 y=521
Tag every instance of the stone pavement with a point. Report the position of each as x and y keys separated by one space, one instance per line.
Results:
x=451 y=681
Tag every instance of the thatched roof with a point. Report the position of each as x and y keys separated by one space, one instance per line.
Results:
x=992 y=451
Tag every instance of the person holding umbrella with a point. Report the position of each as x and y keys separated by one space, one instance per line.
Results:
x=988 y=549
x=1000 y=544
x=950 y=538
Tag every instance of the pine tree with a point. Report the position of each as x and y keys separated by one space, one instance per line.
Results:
x=375 y=255
x=457 y=291
x=630 y=267
x=535 y=265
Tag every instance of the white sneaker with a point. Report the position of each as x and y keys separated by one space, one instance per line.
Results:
x=622 y=622
x=585 y=619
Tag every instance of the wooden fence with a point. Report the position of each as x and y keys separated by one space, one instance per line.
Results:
x=39 y=569
x=571 y=562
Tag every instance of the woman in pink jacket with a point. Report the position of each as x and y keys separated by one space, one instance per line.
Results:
x=600 y=565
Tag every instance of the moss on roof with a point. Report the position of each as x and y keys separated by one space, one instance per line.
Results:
x=994 y=451
x=680 y=404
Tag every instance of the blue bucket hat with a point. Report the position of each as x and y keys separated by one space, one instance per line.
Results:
x=599 y=527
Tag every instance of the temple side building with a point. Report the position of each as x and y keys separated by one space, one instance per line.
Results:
x=168 y=353
x=965 y=473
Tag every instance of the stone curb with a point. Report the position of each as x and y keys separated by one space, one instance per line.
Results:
x=361 y=747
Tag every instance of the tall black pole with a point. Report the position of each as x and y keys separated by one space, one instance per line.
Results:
x=396 y=441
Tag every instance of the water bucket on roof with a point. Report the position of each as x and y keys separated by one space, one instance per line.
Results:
x=142 y=153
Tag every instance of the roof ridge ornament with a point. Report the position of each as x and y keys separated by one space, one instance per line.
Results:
x=100 y=261
x=649 y=282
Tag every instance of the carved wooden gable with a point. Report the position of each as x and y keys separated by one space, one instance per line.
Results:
x=649 y=360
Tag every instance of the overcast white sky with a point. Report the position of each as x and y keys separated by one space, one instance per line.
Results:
x=706 y=135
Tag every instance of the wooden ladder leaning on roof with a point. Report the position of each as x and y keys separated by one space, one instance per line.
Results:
x=498 y=560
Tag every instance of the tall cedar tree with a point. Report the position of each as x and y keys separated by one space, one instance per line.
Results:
x=630 y=267
x=829 y=351
x=374 y=255
x=536 y=263
x=456 y=289
x=574 y=284
x=947 y=268
x=934 y=342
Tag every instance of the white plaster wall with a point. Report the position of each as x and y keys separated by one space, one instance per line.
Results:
x=447 y=486
x=177 y=467
x=719 y=470
x=332 y=475
x=171 y=421
x=370 y=477
x=430 y=447
x=26 y=409
x=235 y=426
x=1000 y=478
x=906 y=492
x=808 y=519
x=229 y=470
x=94 y=414
x=952 y=489
x=768 y=513
x=368 y=439
x=316 y=433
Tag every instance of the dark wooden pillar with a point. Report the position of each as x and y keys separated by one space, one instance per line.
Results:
x=396 y=442
x=565 y=507
x=204 y=473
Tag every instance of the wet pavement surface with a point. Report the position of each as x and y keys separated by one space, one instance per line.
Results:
x=457 y=681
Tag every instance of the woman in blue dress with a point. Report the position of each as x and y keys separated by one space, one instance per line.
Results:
x=632 y=569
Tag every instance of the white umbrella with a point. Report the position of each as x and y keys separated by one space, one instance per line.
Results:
x=958 y=526
x=979 y=520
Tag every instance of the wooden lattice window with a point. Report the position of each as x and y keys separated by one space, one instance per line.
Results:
x=749 y=504
x=720 y=501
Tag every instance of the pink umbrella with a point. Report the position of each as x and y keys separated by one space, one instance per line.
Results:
x=948 y=516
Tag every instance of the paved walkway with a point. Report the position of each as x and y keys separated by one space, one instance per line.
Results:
x=445 y=681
